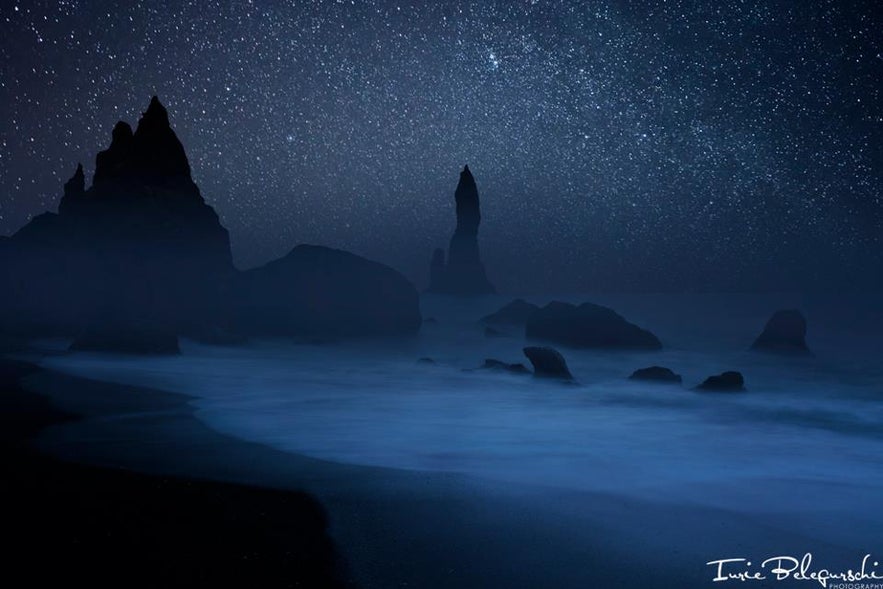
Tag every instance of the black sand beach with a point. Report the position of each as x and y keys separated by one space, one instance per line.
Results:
x=67 y=523
x=392 y=528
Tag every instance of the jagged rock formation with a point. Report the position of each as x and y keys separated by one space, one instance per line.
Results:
x=139 y=258
x=463 y=273
x=139 y=247
x=587 y=326
x=725 y=382
x=319 y=291
x=656 y=374
x=516 y=312
x=784 y=333
x=548 y=363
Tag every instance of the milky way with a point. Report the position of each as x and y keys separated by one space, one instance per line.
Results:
x=616 y=145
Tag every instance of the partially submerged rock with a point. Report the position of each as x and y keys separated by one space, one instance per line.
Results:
x=548 y=363
x=499 y=365
x=588 y=326
x=516 y=312
x=784 y=333
x=656 y=374
x=730 y=381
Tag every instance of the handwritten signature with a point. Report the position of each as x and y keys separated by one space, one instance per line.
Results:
x=781 y=568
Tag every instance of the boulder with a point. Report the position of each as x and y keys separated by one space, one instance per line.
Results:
x=548 y=363
x=656 y=374
x=319 y=291
x=784 y=333
x=499 y=365
x=516 y=312
x=588 y=326
x=730 y=381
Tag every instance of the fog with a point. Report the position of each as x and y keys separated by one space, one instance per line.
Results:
x=806 y=438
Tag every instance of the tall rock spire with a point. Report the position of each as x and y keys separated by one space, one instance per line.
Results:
x=468 y=211
x=464 y=272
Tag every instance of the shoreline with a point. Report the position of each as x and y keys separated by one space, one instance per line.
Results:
x=401 y=528
x=110 y=527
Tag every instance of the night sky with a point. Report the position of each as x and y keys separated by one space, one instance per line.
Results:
x=617 y=145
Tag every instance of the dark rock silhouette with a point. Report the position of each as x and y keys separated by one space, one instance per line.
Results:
x=516 y=312
x=587 y=326
x=131 y=339
x=784 y=333
x=319 y=291
x=463 y=273
x=139 y=258
x=426 y=360
x=656 y=374
x=74 y=190
x=499 y=365
x=730 y=381
x=139 y=247
x=548 y=363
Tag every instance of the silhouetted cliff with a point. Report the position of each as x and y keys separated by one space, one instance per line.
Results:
x=139 y=258
x=139 y=246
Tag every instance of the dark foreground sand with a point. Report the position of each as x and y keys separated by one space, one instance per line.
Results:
x=67 y=524
x=392 y=528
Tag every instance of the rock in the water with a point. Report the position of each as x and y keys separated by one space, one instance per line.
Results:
x=492 y=364
x=730 y=381
x=463 y=273
x=127 y=339
x=548 y=362
x=319 y=291
x=426 y=360
x=784 y=333
x=516 y=312
x=656 y=374
x=587 y=326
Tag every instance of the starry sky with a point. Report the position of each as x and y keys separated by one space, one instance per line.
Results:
x=617 y=144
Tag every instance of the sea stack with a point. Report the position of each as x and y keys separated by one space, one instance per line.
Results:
x=463 y=273
x=139 y=248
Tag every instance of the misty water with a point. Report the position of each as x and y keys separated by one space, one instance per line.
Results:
x=806 y=438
